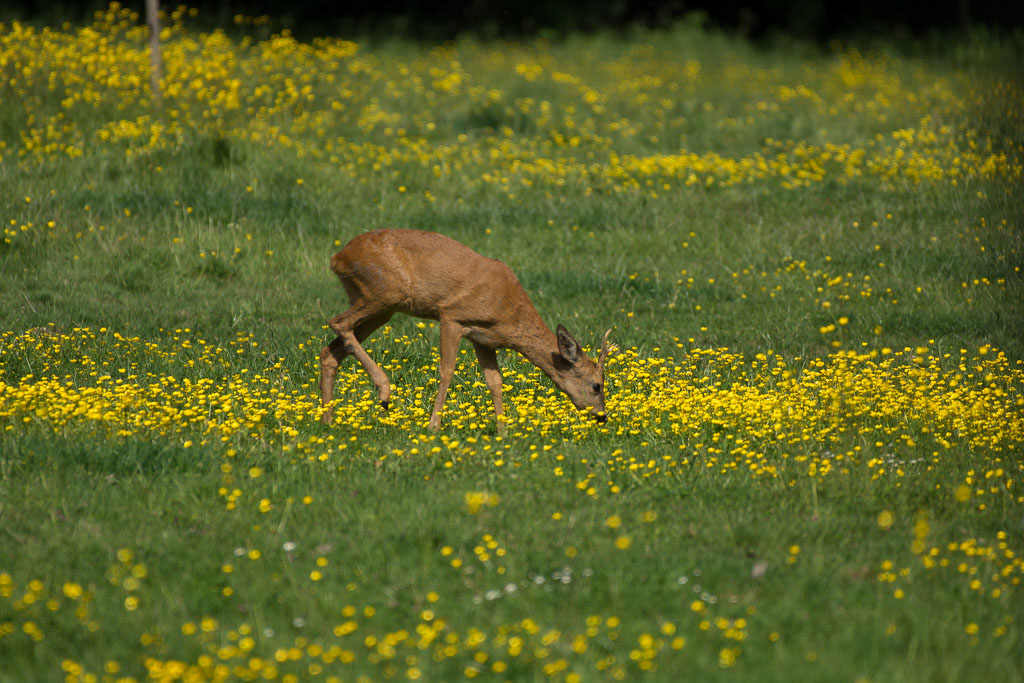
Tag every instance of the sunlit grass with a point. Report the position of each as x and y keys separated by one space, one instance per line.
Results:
x=812 y=465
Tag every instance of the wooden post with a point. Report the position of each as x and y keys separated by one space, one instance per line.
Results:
x=156 y=72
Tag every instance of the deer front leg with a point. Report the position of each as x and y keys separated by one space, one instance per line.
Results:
x=451 y=333
x=492 y=376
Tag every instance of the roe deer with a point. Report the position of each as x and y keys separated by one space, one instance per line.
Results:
x=428 y=275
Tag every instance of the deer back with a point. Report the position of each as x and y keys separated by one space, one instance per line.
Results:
x=426 y=274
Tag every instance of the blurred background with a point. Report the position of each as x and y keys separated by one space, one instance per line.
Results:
x=819 y=20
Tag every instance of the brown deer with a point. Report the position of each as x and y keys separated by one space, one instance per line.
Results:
x=429 y=275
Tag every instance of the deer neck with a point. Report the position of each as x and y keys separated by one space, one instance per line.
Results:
x=539 y=345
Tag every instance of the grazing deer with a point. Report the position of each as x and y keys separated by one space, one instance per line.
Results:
x=428 y=275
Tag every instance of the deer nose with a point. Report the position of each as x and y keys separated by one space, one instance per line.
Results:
x=601 y=418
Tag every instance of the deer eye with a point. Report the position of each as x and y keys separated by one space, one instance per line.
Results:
x=597 y=388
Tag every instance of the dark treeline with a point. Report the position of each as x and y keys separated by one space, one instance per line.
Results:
x=442 y=19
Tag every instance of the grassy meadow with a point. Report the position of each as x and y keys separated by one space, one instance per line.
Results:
x=811 y=258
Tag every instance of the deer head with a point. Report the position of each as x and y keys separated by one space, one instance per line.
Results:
x=579 y=377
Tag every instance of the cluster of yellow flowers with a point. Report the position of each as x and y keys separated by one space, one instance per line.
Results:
x=511 y=117
x=991 y=569
x=767 y=416
x=236 y=654
x=35 y=600
x=879 y=414
x=245 y=651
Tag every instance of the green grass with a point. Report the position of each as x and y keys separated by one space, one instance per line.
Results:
x=209 y=229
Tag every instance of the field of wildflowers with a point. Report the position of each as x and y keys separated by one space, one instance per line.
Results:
x=812 y=467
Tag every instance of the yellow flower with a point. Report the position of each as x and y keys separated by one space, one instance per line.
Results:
x=477 y=499
x=885 y=519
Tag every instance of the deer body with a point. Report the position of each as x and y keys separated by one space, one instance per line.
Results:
x=429 y=275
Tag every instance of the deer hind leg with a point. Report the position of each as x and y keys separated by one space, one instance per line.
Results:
x=492 y=376
x=451 y=333
x=352 y=327
x=330 y=358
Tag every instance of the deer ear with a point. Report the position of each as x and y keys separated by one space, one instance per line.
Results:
x=567 y=346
